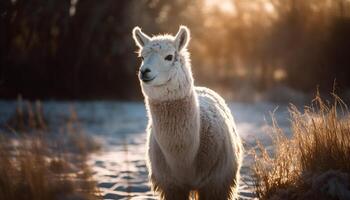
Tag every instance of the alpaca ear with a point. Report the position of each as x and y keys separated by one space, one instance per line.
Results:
x=182 y=38
x=140 y=38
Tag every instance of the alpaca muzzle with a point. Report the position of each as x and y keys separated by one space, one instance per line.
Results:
x=145 y=75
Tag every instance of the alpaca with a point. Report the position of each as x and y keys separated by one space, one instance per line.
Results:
x=192 y=142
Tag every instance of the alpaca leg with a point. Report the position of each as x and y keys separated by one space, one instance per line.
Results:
x=175 y=193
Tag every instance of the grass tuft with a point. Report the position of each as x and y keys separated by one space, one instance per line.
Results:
x=314 y=163
x=45 y=164
x=29 y=170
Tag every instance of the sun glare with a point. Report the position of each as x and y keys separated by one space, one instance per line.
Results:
x=268 y=7
x=226 y=6
x=229 y=7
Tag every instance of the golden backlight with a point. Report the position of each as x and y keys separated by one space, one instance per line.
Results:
x=226 y=6
x=230 y=6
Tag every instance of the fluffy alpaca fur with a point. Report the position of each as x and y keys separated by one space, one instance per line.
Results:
x=192 y=140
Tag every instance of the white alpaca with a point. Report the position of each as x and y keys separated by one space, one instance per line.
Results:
x=192 y=141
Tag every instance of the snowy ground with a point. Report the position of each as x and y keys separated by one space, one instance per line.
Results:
x=120 y=167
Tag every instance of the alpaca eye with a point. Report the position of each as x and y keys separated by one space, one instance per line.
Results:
x=142 y=58
x=169 y=57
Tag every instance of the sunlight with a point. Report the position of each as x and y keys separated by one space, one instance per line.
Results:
x=72 y=8
x=279 y=74
x=268 y=7
x=230 y=7
x=226 y=6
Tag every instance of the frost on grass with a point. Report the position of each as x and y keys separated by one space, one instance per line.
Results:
x=314 y=162
x=39 y=164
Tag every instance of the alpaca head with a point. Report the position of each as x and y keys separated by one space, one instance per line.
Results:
x=165 y=72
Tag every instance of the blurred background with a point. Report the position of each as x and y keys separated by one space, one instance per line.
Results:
x=68 y=83
x=248 y=50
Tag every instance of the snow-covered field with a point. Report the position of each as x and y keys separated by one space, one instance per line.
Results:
x=120 y=166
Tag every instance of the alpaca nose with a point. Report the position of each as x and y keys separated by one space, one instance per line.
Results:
x=144 y=76
x=145 y=71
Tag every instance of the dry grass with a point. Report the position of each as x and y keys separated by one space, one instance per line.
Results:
x=36 y=164
x=314 y=163
x=29 y=170
x=28 y=116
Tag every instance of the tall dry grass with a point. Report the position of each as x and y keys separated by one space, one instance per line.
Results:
x=29 y=170
x=37 y=164
x=314 y=163
x=28 y=116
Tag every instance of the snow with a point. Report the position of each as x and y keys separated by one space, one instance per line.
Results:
x=119 y=167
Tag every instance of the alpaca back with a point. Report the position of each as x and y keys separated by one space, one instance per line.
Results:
x=220 y=150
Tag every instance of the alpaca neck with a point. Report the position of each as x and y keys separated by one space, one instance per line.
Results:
x=175 y=125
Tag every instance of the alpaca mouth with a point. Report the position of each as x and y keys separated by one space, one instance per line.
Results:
x=147 y=80
x=160 y=85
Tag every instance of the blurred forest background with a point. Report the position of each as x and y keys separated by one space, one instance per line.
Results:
x=82 y=49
